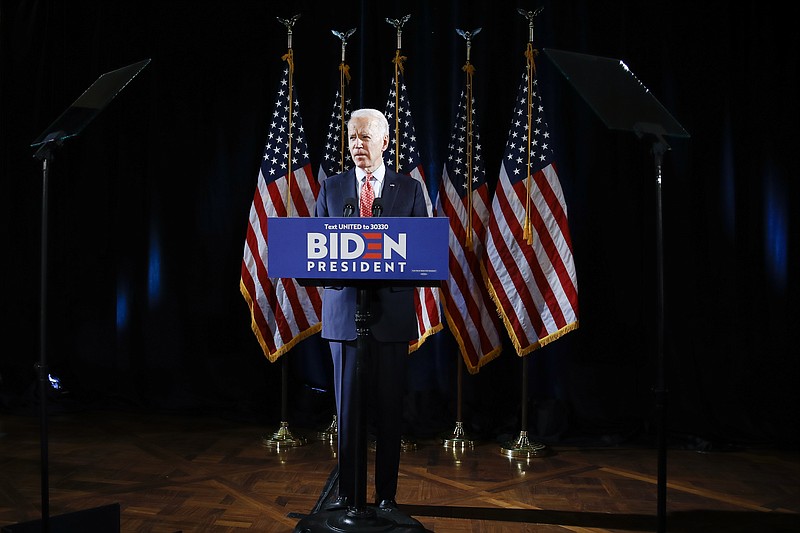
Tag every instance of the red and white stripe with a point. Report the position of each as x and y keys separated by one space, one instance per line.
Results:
x=283 y=313
x=534 y=285
x=468 y=308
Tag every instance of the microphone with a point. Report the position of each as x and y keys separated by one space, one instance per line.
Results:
x=349 y=207
x=377 y=207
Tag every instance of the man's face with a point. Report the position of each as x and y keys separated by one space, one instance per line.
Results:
x=366 y=143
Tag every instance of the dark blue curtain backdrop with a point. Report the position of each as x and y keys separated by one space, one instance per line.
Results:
x=149 y=207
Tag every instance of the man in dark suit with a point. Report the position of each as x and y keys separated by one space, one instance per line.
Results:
x=393 y=321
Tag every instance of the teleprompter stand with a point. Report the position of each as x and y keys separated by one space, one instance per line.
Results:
x=623 y=103
x=69 y=124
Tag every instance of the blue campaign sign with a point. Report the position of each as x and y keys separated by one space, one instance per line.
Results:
x=380 y=248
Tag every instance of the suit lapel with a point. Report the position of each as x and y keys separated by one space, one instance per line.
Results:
x=346 y=187
x=390 y=191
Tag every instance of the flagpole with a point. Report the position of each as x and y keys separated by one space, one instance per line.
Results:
x=406 y=444
x=331 y=433
x=344 y=80
x=459 y=439
x=523 y=447
x=530 y=53
x=289 y=58
x=398 y=68
x=469 y=70
x=283 y=437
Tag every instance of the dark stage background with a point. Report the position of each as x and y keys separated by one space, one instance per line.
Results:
x=149 y=206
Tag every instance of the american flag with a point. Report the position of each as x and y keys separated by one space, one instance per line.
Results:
x=464 y=199
x=282 y=312
x=403 y=157
x=336 y=158
x=533 y=281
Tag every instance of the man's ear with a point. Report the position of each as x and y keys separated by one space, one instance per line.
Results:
x=385 y=143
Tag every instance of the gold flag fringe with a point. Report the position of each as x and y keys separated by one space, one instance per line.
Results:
x=471 y=368
x=254 y=326
x=414 y=345
x=510 y=328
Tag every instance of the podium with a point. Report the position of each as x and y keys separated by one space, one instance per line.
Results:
x=364 y=253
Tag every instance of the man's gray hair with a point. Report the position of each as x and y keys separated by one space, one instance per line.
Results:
x=374 y=116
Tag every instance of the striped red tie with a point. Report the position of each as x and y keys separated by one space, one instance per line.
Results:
x=367 y=197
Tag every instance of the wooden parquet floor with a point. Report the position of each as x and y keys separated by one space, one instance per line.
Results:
x=191 y=474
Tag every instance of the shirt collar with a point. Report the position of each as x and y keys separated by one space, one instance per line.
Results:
x=377 y=174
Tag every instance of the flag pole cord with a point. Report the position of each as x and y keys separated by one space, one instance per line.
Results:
x=469 y=69
x=289 y=58
x=530 y=54
x=398 y=68
x=344 y=80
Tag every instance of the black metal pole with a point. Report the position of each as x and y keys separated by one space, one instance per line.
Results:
x=660 y=390
x=360 y=517
x=285 y=389
x=41 y=366
x=524 y=413
x=360 y=448
x=459 y=381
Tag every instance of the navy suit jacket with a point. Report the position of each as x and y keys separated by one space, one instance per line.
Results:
x=393 y=316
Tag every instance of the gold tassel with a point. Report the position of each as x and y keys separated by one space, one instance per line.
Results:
x=398 y=60
x=289 y=58
x=345 y=70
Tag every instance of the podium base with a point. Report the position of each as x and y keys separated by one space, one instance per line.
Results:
x=370 y=520
x=98 y=520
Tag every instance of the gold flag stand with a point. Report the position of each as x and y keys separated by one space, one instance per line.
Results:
x=331 y=433
x=522 y=447
x=458 y=439
x=283 y=438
